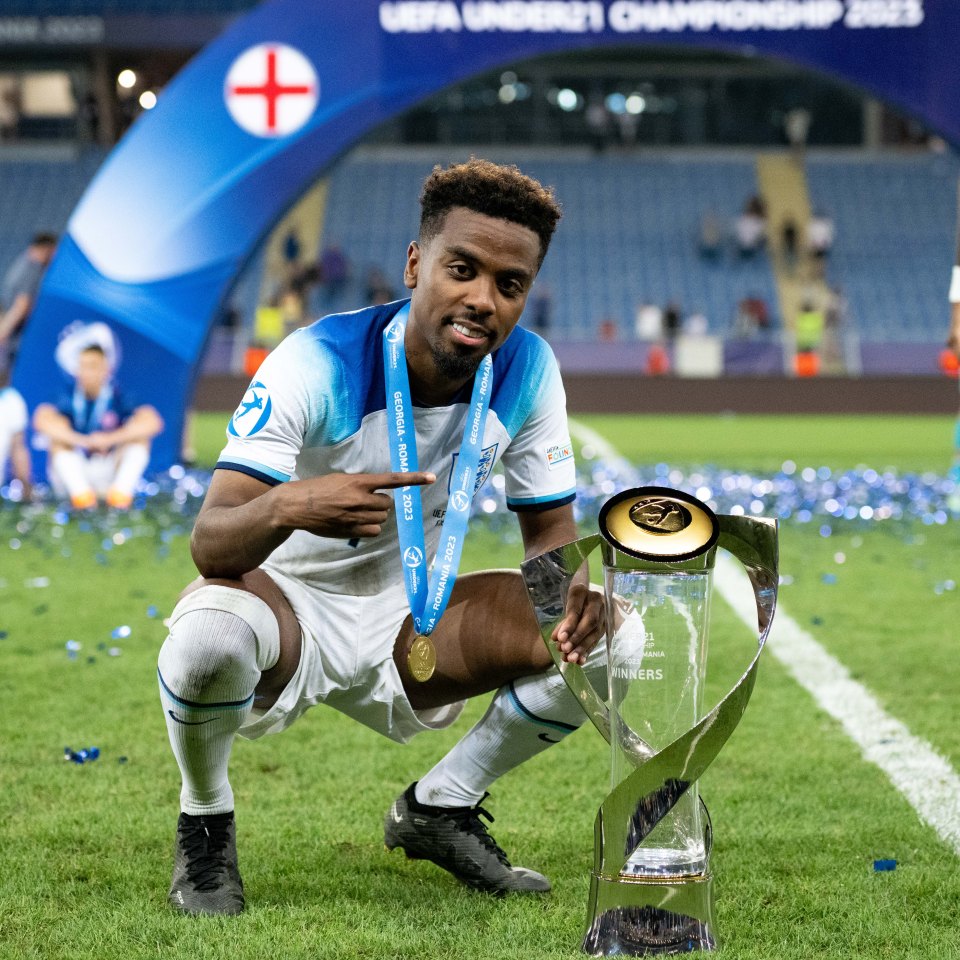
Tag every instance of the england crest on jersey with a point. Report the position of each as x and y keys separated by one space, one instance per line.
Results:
x=488 y=456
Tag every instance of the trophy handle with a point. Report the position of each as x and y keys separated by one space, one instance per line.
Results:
x=548 y=579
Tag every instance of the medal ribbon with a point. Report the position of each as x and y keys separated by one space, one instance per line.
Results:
x=87 y=416
x=427 y=602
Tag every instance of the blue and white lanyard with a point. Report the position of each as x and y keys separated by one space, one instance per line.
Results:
x=87 y=416
x=427 y=603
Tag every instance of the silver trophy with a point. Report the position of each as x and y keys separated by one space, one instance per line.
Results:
x=651 y=889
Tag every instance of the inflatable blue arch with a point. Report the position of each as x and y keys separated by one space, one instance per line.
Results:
x=241 y=133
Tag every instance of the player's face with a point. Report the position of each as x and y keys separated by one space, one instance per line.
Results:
x=470 y=283
x=92 y=372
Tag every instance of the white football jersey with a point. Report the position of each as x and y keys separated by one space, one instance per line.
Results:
x=317 y=405
x=13 y=420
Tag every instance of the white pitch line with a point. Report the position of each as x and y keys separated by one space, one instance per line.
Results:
x=926 y=779
x=587 y=435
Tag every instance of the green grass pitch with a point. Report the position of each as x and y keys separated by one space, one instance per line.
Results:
x=799 y=815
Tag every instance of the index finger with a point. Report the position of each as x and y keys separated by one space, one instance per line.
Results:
x=388 y=481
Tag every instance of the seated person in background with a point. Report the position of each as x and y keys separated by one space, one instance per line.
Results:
x=752 y=316
x=711 y=236
x=750 y=231
x=820 y=234
x=99 y=442
x=13 y=424
x=648 y=324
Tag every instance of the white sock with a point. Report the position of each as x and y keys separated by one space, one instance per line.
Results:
x=71 y=469
x=220 y=641
x=525 y=717
x=134 y=458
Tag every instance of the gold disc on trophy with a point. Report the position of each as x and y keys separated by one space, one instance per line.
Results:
x=422 y=659
x=657 y=523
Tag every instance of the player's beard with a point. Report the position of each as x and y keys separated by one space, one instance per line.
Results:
x=453 y=365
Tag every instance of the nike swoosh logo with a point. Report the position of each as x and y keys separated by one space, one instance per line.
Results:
x=190 y=723
x=396 y=816
x=546 y=739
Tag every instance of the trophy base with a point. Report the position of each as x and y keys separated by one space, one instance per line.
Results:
x=639 y=917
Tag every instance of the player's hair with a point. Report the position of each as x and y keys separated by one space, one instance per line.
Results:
x=496 y=190
x=93 y=348
x=44 y=239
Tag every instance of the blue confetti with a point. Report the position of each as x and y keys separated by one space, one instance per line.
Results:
x=881 y=866
x=829 y=578
x=120 y=633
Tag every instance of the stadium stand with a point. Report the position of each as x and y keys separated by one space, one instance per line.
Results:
x=629 y=233
x=38 y=190
x=895 y=219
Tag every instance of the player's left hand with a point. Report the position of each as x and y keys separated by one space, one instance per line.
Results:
x=100 y=442
x=582 y=625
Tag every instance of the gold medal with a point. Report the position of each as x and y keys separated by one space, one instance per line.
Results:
x=422 y=659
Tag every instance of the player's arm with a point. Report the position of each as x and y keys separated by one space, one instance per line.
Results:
x=582 y=625
x=49 y=421
x=13 y=319
x=20 y=463
x=243 y=519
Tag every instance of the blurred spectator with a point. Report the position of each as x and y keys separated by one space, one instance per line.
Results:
x=99 y=441
x=757 y=206
x=608 y=331
x=379 y=289
x=753 y=315
x=820 y=234
x=628 y=125
x=292 y=310
x=672 y=320
x=809 y=327
x=796 y=126
x=648 y=322
x=18 y=292
x=711 y=236
x=658 y=361
x=9 y=107
x=790 y=241
x=540 y=308
x=597 y=119
x=835 y=315
x=750 y=228
x=291 y=247
x=13 y=447
x=696 y=325
x=334 y=273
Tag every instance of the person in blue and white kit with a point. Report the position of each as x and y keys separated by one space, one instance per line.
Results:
x=953 y=344
x=13 y=446
x=98 y=439
x=308 y=590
